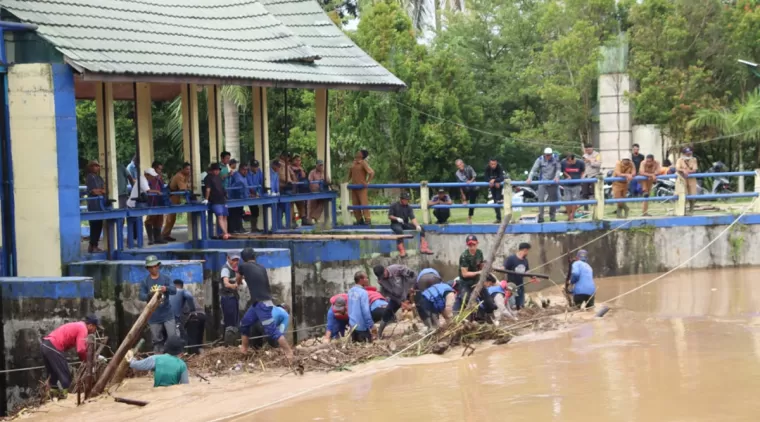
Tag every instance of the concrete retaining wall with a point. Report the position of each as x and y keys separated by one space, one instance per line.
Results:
x=32 y=308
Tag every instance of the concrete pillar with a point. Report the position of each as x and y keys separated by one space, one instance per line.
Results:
x=214 y=105
x=323 y=130
x=615 y=136
x=599 y=196
x=261 y=141
x=681 y=193
x=107 y=139
x=42 y=111
x=756 y=206
x=424 y=198
x=191 y=144
x=344 y=198
x=507 y=195
x=144 y=126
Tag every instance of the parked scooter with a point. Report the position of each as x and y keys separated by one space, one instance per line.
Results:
x=720 y=184
x=530 y=193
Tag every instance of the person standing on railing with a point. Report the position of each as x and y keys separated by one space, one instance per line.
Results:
x=494 y=174
x=593 y=162
x=238 y=189
x=402 y=218
x=572 y=169
x=624 y=168
x=215 y=196
x=546 y=167
x=316 y=207
x=180 y=182
x=255 y=180
x=441 y=214
x=360 y=173
x=650 y=168
x=466 y=174
x=95 y=187
x=685 y=166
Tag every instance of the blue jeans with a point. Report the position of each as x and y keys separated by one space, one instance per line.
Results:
x=260 y=312
x=230 y=311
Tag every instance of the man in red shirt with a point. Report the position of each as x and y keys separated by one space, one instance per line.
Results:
x=54 y=345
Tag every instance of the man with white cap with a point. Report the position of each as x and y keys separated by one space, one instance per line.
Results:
x=546 y=167
x=624 y=168
x=582 y=280
x=685 y=166
x=140 y=190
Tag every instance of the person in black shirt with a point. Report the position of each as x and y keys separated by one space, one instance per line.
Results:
x=257 y=279
x=494 y=174
x=441 y=214
x=216 y=197
x=518 y=262
x=634 y=188
x=402 y=218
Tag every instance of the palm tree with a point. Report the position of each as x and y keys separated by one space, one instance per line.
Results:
x=235 y=98
x=743 y=120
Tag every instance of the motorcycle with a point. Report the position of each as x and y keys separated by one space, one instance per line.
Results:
x=720 y=184
x=529 y=193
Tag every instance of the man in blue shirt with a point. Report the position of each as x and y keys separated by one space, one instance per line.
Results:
x=274 y=178
x=255 y=180
x=162 y=322
x=359 y=315
x=132 y=168
x=438 y=299
x=336 y=327
x=183 y=305
x=238 y=189
x=582 y=279
x=251 y=328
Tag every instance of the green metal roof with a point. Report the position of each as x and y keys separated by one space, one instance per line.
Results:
x=289 y=43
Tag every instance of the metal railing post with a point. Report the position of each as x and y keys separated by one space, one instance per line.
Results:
x=756 y=207
x=598 y=213
x=506 y=194
x=680 y=210
x=424 y=198
x=344 y=198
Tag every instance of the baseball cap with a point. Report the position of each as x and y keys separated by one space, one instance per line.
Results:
x=150 y=171
x=548 y=151
x=93 y=163
x=92 y=319
x=233 y=255
x=441 y=190
x=152 y=261
x=320 y=162
x=582 y=254
x=625 y=157
x=339 y=305
x=254 y=163
x=276 y=163
x=523 y=245
x=405 y=195
x=471 y=239
x=687 y=150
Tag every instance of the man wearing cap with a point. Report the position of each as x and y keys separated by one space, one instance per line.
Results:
x=229 y=295
x=316 y=207
x=518 y=263
x=162 y=322
x=168 y=368
x=470 y=264
x=441 y=214
x=215 y=196
x=257 y=279
x=337 y=317
x=139 y=191
x=494 y=175
x=396 y=283
x=360 y=173
x=95 y=187
x=255 y=180
x=685 y=166
x=547 y=168
x=53 y=346
x=582 y=280
x=402 y=218
x=624 y=168
x=238 y=189
x=180 y=183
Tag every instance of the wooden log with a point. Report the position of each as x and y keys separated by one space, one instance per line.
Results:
x=489 y=262
x=121 y=371
x=307 y=236
x=499 y=270
x=132 y=337
x=130 y=401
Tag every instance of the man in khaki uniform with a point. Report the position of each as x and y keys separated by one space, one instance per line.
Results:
x=685 y=166
x=180 y=182
x=360 y=173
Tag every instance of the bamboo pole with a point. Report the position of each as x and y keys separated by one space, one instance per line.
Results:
x=499 y=270
x=489 y=262
x=125 y=345
x=322 y=236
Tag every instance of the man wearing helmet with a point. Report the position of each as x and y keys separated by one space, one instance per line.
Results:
x=402 y=218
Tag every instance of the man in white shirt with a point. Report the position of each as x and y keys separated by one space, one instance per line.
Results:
x=148 y=175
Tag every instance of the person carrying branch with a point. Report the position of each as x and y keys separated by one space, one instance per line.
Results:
x=402 y=218
x=517 y=263
x=162 y=322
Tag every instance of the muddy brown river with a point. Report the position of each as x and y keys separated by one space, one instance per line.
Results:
x=686 y=348
x=683 y=349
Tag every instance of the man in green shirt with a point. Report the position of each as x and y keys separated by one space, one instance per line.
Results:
x=168 y=368
x=470 y=264
x=225 y=169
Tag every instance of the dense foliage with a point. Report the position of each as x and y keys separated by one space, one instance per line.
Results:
x=505 y=79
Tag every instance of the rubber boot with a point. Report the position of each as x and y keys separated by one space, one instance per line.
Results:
x=424 y=248
x=157 y=239
x=149 y=230
x=380 y=329
x=625 y=211
x=619 y=213
x=401 y=250
x=691 y=208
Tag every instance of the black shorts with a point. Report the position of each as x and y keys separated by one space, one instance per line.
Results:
x=377 y=314
x=579 y=299
x=361 y=336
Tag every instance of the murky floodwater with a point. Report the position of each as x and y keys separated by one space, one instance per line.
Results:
x=686 y=348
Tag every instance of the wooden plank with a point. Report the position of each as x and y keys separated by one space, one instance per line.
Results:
x=131 y=338
x=130 y=401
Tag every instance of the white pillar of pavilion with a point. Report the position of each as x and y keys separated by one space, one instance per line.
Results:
x=107 y=139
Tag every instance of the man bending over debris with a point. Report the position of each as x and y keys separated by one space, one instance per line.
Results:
x=54 y=345
x=434 y=300
x=337 y=317
x=377 y=303
x=251 y=327
x=261 y=297
x=396 y=282
x=502 y=298
x=426 y=278
x=162 y=322
x=168 y=368
x=359 y=315
x=582 y=280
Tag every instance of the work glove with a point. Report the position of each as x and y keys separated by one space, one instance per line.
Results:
x=129 y=356
x=102 y=358
x=204 y=202
x=400 y=220
x=418 y=228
